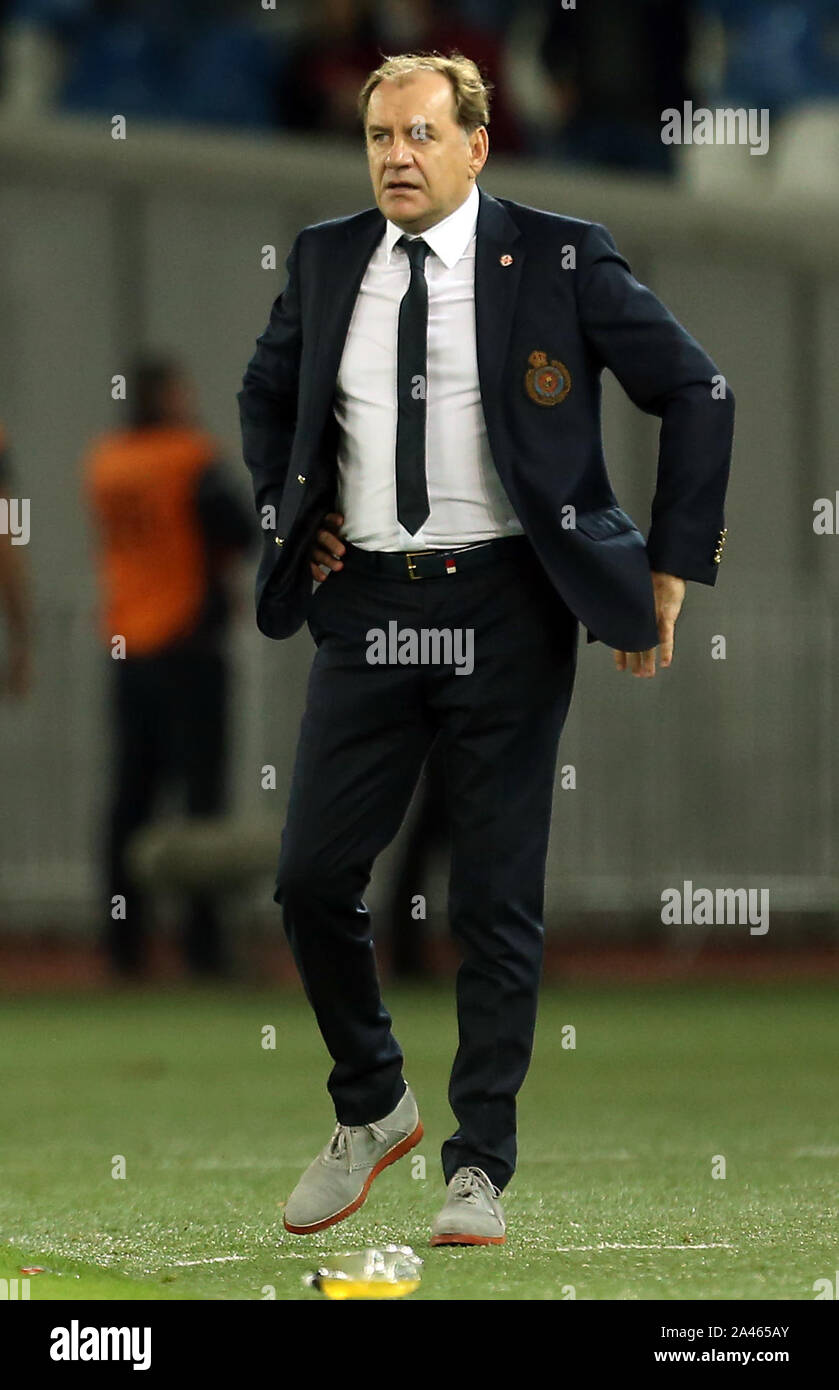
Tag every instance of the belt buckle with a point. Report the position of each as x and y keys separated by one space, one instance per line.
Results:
x=409 y=557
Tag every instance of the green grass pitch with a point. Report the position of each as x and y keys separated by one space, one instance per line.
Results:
x=614 y=1197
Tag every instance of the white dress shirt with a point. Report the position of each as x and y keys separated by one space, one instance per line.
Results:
x=466 y=497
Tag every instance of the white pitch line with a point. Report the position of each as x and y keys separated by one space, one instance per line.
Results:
x=213 y=1260
x=609 y=1245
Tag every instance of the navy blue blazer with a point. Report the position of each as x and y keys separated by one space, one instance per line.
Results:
x=555 y=303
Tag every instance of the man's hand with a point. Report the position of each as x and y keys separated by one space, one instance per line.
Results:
x=669 y=593
x=327 y=548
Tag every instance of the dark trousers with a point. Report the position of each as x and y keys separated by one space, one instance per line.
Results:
x=365 y=733
x=426 y=837
x=170 y=722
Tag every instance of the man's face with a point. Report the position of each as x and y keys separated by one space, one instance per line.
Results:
x=422 y=163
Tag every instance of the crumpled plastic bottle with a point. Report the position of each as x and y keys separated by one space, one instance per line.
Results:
x=391 y=1272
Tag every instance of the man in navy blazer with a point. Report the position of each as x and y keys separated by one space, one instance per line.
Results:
x=549 y=303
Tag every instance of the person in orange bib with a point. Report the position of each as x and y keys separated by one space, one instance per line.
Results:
x=168 y=527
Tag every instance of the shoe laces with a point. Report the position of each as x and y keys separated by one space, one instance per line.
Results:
x=341 y=1143
x=471 y=1184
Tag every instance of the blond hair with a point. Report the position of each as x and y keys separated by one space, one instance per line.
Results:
x=470 y=89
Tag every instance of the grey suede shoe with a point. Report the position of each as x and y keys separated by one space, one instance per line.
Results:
x=336 y=1183
x=472 y=1214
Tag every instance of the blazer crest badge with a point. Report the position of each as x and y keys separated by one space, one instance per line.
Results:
x=547 y=382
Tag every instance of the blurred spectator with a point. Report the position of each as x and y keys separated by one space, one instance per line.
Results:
x=230 y=61
x=614 y=67
x=13 y=597
x=346 y=41
x=592 y=81
x=168 y=525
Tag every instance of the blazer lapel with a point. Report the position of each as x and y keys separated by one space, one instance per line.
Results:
x=496 y=289
x=340 y=279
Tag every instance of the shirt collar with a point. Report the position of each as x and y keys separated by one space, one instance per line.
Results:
x=448 y=239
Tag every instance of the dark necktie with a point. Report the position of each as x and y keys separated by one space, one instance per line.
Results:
x=412 y=506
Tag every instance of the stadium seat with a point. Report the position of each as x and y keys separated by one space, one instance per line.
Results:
x=229 y=74
x=121 y=67
x=778 y=52
x=53 y=13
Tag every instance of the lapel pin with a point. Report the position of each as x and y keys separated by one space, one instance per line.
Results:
x=507 y=259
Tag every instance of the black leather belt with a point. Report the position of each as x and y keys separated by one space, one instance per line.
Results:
x=432 y=564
